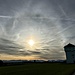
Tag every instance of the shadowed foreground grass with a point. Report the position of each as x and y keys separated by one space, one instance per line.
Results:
x=38 y=69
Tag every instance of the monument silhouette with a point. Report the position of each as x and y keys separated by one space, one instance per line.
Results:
x=70 y=53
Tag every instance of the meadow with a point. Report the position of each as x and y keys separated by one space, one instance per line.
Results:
x=38 y=69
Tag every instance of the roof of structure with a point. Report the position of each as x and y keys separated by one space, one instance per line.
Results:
x=69 y=45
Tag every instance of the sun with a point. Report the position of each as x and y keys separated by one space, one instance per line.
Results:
x=31 y=42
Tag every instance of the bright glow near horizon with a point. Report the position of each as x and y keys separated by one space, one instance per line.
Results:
x=31 y=42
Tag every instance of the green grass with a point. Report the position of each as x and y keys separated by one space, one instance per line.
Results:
x=38 y=69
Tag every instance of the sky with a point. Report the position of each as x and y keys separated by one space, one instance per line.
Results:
x=36 y=29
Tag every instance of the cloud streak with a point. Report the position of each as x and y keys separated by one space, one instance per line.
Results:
x=6 y=16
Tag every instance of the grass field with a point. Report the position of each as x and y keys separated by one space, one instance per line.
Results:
x=38 y=69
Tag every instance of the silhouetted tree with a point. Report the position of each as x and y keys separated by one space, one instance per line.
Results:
x=1 y=62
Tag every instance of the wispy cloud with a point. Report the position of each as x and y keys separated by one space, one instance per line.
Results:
x=2 y=16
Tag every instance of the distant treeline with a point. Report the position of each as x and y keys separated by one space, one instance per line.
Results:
x=20 y=62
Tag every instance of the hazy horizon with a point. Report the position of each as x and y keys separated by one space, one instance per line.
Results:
x=36 y=29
